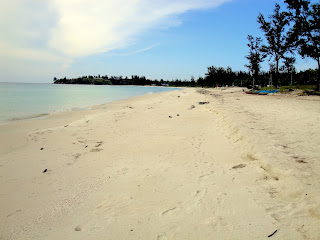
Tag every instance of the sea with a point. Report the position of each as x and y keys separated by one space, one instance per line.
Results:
x=31 y=100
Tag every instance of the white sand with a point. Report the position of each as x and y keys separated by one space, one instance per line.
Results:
x=239 y=167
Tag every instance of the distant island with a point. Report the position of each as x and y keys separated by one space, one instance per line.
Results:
x=112 y=80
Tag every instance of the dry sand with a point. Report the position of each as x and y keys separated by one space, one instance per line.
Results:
x=163 y=166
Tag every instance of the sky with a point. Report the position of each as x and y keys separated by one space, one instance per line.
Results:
x=159 y=39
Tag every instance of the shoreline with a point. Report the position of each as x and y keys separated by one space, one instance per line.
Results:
x=186 y=164
x=63 y=116
x=45 y=114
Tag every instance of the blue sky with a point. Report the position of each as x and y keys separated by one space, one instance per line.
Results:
x=166 y=39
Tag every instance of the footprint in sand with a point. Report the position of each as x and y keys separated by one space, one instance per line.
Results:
x=197 y=199
x=191 y=107
x=239 y=166
x=170 y=211
x=162 y=237
x=205 y=177
x=99 y=144
x=78 y=228
x=200 y=194
x=17 y=211
x=96 y=150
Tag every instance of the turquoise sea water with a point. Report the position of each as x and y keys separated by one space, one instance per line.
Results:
x=28 y=100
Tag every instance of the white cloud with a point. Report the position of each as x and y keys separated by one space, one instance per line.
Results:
x=12 y=51
x=25 y=23
x=56 y=29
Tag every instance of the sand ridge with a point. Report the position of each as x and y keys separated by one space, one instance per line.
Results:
x=163 y=166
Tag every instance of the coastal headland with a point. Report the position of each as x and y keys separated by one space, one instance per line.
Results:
x=189 y=164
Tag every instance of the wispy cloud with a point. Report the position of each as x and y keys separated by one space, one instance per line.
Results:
x=111 y=53
x=56 y=29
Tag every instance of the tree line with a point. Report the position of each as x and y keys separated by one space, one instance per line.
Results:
x=295 y=30
x=216 y=76
x=111 y=80
x=287 y=33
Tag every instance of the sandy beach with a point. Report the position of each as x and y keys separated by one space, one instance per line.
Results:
x=190 y=164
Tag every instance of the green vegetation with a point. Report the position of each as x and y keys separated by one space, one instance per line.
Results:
x=84 y=80
x=275 y=34
x=215 y=76
x=304 y=35
x=293 y=87
x=301 y=87
x=287 y=32
x=255 y=57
